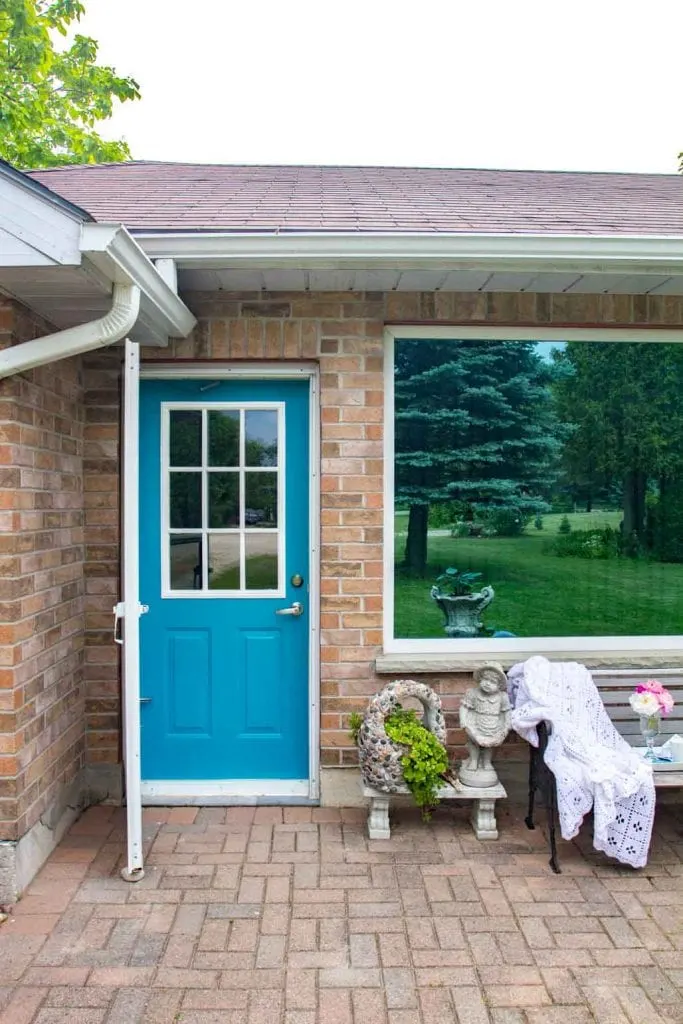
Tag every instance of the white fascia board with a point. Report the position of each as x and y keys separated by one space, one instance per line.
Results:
x=113 y=250
x=38 y=222
x=585 y=253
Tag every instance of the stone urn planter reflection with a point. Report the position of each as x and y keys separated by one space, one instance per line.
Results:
x=379 y=757
x=462 y=612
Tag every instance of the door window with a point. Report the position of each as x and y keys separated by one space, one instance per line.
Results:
x=223 y=508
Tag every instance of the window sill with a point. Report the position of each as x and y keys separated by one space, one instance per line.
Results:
x=394 y=664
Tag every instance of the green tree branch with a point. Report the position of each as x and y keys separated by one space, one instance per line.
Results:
x=52 y=100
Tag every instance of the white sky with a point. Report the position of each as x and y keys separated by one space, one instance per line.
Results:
x=548 y=84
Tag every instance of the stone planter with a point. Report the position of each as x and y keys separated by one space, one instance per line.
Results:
x=462 y=613
x=379 y=757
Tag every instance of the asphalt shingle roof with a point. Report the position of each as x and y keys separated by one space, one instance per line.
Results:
x=151 y=196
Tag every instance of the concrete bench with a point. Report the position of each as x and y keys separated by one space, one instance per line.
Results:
x=615 y=688
x=483 y=817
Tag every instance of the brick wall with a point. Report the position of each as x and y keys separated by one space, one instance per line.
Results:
x=344 y=333
x=101 y=485
x=59 y=513
x=41 y=584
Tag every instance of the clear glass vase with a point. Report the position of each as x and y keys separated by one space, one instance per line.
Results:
x=649 y=728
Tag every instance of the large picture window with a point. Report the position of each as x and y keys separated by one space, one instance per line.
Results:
x=537 y=491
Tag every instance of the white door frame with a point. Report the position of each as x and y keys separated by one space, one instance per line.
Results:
x=129 y=610
x=239 y=792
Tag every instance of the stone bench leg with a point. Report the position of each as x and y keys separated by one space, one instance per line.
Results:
x=378 y=818
x=484 y=819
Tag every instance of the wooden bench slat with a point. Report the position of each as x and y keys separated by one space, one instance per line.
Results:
x=611 y=696
x=626 y=715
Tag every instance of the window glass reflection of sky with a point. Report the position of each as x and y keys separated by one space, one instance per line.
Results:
x=262 y=426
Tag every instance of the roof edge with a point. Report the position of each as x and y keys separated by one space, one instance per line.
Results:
x=23 y=179
x=437 y=168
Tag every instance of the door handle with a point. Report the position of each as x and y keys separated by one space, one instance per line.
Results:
x=294 y=609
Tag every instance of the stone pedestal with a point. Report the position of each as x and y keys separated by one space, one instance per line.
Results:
x=483 y=817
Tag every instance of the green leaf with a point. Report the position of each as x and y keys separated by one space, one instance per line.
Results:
x=53 y=99
x=424 y=761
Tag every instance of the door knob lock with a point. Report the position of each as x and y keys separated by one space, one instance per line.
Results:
x=295 y=609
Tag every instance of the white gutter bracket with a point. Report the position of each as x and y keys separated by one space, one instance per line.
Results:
x=107 y=330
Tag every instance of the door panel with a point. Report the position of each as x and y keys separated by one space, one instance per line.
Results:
x=224 y=526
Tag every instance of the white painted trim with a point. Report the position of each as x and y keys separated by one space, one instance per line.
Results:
x=224 y=371
x=388 y=541
x=130 y=575
x=225 y=792
x=587 y=253
x=314 y=585
x=204 y=530
x=40 y=218
x=495 y=333
x=503 y=647
x=278 y=371
x=168 y=270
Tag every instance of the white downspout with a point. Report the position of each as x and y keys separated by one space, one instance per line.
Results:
x=110 y=328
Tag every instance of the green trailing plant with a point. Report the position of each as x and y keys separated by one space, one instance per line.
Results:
x=455 y=583
x=425 y=762
x=355 y=722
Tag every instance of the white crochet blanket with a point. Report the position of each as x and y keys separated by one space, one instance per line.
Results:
x=592 y=764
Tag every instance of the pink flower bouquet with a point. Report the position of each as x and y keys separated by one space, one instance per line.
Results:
x=651 y=699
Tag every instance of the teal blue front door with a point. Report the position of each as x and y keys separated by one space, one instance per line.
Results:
x=224 y=571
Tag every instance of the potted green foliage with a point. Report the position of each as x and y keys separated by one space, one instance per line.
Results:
x=462 y=599
x=397 y=749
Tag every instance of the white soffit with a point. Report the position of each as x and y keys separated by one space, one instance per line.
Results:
x=355 y=262
x=439 y=279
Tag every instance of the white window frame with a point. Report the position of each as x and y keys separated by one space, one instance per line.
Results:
x=464 y=651
x=204 y=530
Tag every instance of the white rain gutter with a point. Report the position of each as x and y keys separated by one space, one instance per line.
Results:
x=107 y=330
x=600 y=253
x=117 y=255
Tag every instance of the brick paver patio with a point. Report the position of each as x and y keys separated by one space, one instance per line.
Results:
x=271 y=916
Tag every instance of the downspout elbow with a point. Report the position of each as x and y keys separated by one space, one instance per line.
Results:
x=109 y=329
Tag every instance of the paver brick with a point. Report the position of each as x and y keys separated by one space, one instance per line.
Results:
x=394 y=950
x=363 y=950
x=300 y=990
x=350 y=977
x=24 y=1002
x=469 y=1005
x=50 y=1015
x=516 y=995
x=265 y=1006
x=64 y=995
x=263 y=918
x=276 y=919
x=335 y=1007
x=121 y=977
x=172 y=977
x=398 y=984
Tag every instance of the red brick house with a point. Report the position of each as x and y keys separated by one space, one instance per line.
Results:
x=199 y=368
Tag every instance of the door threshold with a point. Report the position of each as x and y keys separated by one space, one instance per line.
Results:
x=227 y=793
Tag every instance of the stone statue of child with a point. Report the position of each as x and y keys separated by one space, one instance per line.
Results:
x=485 y=717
